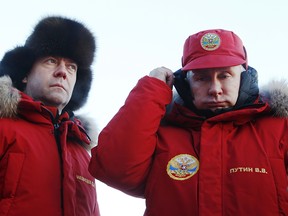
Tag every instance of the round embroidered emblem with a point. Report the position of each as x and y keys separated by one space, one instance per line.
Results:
x=210 y=41
x=182 y=167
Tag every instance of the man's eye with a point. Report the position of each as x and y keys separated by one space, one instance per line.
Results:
x=224 y=76
x=201 y=78
x=51 y=60
x=72 y=67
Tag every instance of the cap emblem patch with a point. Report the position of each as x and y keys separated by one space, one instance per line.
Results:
x=182 y=167
x=210 y=41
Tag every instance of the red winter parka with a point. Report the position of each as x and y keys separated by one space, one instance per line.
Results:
x=43 y=162
x=230 y=164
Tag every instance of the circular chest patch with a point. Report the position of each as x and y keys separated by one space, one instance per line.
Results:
x=182 y=167
x=210 y=41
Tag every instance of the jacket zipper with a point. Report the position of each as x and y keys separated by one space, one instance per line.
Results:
x=56 y=126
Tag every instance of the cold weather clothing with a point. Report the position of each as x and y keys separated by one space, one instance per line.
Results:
x=55 y=36
x=184 y=164
x=43 y=158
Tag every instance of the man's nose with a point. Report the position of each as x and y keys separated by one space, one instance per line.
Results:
x=61 y=70
x=215 y=88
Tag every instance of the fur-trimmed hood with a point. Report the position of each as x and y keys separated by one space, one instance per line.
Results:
x=275 y=93
x=9 y=100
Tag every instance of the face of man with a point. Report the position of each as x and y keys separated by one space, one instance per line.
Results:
x=215 y=88
x=51 y=81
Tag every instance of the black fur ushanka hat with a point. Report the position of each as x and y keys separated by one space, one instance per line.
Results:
x=55 y=36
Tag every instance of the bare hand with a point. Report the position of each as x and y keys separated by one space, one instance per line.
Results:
x=164 y=74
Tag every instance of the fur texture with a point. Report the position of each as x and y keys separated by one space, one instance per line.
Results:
x=276 y=94
x=10 y=97
x=59 y=36
x=91 y=128
x=55 y=36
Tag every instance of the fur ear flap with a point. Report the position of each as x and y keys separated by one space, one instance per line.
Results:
x=81 y=90
x=17 y=63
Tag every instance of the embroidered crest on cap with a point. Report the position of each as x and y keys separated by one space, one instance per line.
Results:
x=182 y=167
x=210 y=41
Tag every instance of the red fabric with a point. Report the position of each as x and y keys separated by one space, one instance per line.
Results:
x=241 y=157
x=31 y=180
x=213 y=48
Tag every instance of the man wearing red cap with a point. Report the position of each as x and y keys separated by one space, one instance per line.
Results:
x=215 y=146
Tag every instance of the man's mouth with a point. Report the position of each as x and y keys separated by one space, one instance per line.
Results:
x=57 y=85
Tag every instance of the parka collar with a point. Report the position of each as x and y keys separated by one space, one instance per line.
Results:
x=14 y=103
x=272 y=99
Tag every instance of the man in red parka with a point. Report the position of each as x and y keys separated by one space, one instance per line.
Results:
x=44 y=148
x=218 y=147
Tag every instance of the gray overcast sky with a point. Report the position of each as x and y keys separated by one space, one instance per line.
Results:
x=133 y=37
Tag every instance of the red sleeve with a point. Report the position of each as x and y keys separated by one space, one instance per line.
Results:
x=124 y=153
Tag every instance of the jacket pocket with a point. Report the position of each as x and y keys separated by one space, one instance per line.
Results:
x=11 y=168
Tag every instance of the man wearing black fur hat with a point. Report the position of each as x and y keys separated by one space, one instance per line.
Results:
x=44 y=152
x=219 y=149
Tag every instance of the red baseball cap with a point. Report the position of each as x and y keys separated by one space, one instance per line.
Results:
x=213 y=48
